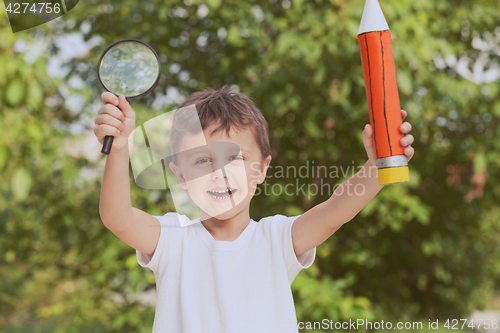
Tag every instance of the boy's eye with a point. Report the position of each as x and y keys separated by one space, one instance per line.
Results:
x=202 y=160
x=205 y=159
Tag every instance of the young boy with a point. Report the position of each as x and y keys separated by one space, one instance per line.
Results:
x=227 y=273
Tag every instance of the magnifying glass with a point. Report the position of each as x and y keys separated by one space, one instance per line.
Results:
x=128 y=67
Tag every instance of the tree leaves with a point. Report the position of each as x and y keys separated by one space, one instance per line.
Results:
x=21 y=183
x=35 y=95
x=15 y=92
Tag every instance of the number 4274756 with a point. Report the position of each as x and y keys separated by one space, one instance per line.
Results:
x=456 y=324
x=35 y=8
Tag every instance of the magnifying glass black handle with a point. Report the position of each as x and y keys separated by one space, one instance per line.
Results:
x=108 y=142
x=108 y=139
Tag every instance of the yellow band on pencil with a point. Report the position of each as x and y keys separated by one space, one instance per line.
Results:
x=393 y=175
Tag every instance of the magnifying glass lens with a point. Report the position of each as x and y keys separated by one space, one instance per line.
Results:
x=129 y=69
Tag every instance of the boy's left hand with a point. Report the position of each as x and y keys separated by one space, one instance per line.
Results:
x=406 y=141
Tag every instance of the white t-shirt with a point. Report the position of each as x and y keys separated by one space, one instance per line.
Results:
x=240 y=286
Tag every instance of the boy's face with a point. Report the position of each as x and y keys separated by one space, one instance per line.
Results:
x=220 y=172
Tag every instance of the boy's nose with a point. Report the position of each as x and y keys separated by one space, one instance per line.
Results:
x=218 y=172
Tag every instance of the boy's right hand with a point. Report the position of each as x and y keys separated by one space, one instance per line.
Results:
x=115 y=118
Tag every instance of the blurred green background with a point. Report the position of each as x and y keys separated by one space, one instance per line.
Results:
x=427 y=249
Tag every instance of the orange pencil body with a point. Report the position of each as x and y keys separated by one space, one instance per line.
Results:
x=382 y=92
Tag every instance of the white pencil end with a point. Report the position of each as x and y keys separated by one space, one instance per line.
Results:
x=373 y=18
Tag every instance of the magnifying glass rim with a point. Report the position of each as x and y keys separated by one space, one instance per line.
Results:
x=147 y=92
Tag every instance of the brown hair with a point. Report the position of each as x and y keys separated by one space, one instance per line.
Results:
x=226 y=108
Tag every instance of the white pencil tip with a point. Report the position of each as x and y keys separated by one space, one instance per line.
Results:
x=373 y=19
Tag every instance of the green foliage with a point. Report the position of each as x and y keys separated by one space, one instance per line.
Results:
x=323 y=297
x=425 y=249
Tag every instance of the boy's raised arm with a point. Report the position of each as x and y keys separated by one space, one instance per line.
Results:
x=135 y=227
x=317 y=224
x=115 y=207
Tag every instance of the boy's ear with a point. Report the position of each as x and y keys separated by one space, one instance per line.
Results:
x=175 y=169
x=263 y=169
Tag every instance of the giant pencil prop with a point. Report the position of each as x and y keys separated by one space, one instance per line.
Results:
x=382 y=94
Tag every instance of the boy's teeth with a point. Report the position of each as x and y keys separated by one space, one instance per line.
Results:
x=221 y=193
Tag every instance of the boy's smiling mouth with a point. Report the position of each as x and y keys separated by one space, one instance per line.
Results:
x=221 y=193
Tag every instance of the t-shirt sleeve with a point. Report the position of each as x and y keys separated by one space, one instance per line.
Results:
x=294 y=264
x=169 y=224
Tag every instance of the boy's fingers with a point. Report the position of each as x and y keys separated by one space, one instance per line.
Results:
x=367 y=131
x=103 y=130
x=407 y=140
x=367 y=136
x=112 y=111
x=405 y=127
x=125 y=107
x=409 y=152
x=404 y=113
x=110 y=98
x=106 y=119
